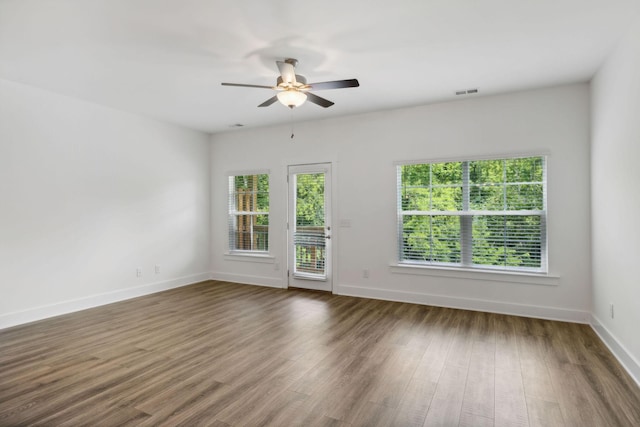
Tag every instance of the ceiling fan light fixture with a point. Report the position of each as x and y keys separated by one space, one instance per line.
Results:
x=292 y=98
x=293 y=89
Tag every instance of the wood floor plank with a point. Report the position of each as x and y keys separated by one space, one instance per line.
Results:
x=415 y=404
x=343 y=396
x=222 y=354
x=575 y=404
x=472 y=420
x=393 y=376
x=534 y=360
x=507 y=356
x=510 y=402
x=446 y=403
x=543 y=413
x=372 y=414
x=479 y=393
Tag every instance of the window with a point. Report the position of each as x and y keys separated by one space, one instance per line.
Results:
x=249 y=213
x=477 y=214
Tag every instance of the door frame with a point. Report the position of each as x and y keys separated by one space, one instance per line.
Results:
x=332 y=272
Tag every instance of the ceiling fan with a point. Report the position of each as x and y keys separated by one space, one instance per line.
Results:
x=293 y=89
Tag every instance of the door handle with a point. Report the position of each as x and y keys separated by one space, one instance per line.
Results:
x=327 y=237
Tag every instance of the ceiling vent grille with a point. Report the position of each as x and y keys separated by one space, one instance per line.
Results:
x=466 y=92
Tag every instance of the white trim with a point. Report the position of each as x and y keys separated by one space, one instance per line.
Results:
x=514 y=155
x=249 y=172
x=476 y=274
x=255 y=213
x=246 y=279
x=249 y=257
x=538 y=312
x=626 y=359
x=65 y=307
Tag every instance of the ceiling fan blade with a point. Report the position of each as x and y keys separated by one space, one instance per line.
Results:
x=287 y=71
x=336 y=84
x=269 y=101
x=244 y=85
x=318 y=100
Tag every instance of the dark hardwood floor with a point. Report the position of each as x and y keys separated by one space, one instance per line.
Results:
x=223 y=354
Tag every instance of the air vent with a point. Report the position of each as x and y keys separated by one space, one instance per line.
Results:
x=466 y=92
x=236 y=125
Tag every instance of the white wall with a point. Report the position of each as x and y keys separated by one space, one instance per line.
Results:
x=87 y=195
x=363 y=148
x=616 y=199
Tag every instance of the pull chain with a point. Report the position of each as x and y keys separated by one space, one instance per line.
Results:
x=292 y=134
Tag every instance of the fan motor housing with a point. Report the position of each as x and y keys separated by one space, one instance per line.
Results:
x=300 y=81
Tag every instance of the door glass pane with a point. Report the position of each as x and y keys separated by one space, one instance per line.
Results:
x=309 y=234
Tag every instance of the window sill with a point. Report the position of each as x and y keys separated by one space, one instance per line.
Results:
x=249 y=257
x=476 y=274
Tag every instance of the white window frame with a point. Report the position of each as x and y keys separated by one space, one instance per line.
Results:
x=465 y=225
x=233 y=215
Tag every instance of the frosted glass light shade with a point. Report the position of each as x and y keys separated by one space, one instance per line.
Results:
x=292 y=98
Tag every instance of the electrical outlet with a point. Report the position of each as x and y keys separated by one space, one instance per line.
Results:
x=138 y=272
x=157 y=269
x=611 y=310
x=276 y=266
x=365 y=273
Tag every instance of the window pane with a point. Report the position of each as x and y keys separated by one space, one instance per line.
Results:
x=416 y=199
x=486 y=197
x=486 y=171
x=488 y=240
x=415 y=185
x=415 y=175
x=310 y=200
x=528 y=169
x=251 y=233
x=432 y=239
x=525 y=197
x=523 y=241
x=510 y=241
x=310 y=259
x=446 y=199
x=261 y=233
x=242 y=232
x=263 y=193
x=416 y=238
x=446 y=173
x=252 y=193
x=446 y=239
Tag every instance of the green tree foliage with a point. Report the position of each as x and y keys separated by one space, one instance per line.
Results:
x=310 y=199
x=490 y=185
x=432 y=187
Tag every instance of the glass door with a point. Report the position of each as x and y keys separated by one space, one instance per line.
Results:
x=309 y=226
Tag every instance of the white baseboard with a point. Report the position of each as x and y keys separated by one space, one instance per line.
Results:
x=625 y=358
x=550 y=313
x=271 y=282
x=38 y=313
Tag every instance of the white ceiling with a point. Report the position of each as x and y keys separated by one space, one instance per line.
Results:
x=167 y=58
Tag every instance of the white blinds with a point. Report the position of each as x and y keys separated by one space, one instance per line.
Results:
x=249 y=213
x=481 y=213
